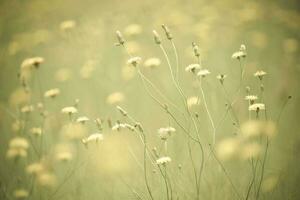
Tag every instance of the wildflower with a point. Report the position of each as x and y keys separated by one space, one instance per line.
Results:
x=251 y=98
x=191 y=101
x=119 y=126
x=241 y=53
x=67 y=25
x=69 y=110
x=96 y=137
x=115 y=97
x=165 y=133
x=238 y=55
x=167 y=32
x=52 y=93
x=46 y=179
x=221 y=78
x=35 y=168
x=203 y=73
x=16 y=153
x=157 y=39
x=120 y=38
x=134 y=61
x=192 y=68
x=257 y=107
x=21 y=194
x=163 y=160
x=82 y=119
x=36 y=131
x=260 y=74
x=152 y=62
x=64 y=156
x=18 y=143
x=27 y=109
x=133 y=30
x=29 y=63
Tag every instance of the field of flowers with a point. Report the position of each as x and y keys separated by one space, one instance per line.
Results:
x=149 y=100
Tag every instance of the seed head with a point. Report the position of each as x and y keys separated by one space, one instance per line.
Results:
x=156 y=37
x=167 y=32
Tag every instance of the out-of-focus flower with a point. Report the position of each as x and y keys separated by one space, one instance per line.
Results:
x=152 y=62
x=52 y=93
x=203 y=72
x=227 y=148
x=96 y=137
x=251 y=150
x=46 y=179
x=82 y=119
x=36 y=131
x=27 y=109
x=18 y=143
x=21 y=194
x=119 y=126
x=115 y=98
x=30 y=63
x=69 y=110
x=133 y=30
x=192 y=101
x=35 y=168
x=166 y=132
x=67 y=25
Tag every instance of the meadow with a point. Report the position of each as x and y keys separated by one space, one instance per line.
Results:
x=149 y=100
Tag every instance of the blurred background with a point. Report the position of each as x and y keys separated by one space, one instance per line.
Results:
x=77 y=40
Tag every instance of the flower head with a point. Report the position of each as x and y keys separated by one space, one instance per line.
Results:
x=30 y=63
x=192 y=68
x=257 y=107
x=134 y=61
x=69 y=110
x=52 y=93
x=163 y=160
x=166 y=132
x=260 y=74
x=203 y=73
x=221 y=78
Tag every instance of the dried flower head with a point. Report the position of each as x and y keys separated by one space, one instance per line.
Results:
x=95 y=137
x=192 y=101
x=121 y=40
x=196 y=49
x=157 y=39
x=119 y=126
x=52 y=93
x=122 y=111
x=167 y=32
x=241 y=53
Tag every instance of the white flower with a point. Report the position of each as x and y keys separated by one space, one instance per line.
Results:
x=239 y=55
x=166 y=132
x=251 y=97
x=163 y=160
x=192 y=68
x=36 y=131
x=52 y=93
x=18 y=143
x=69 y=110
x=29 y=63
x=203 y=72
x=27 y=109
x=243 y=47
x=260 y=74
x=119 y=126
x=221 y=78
x=82 y=119
x=96 y=137
x=257 y=107
x=134 y=61
x=152 y=62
